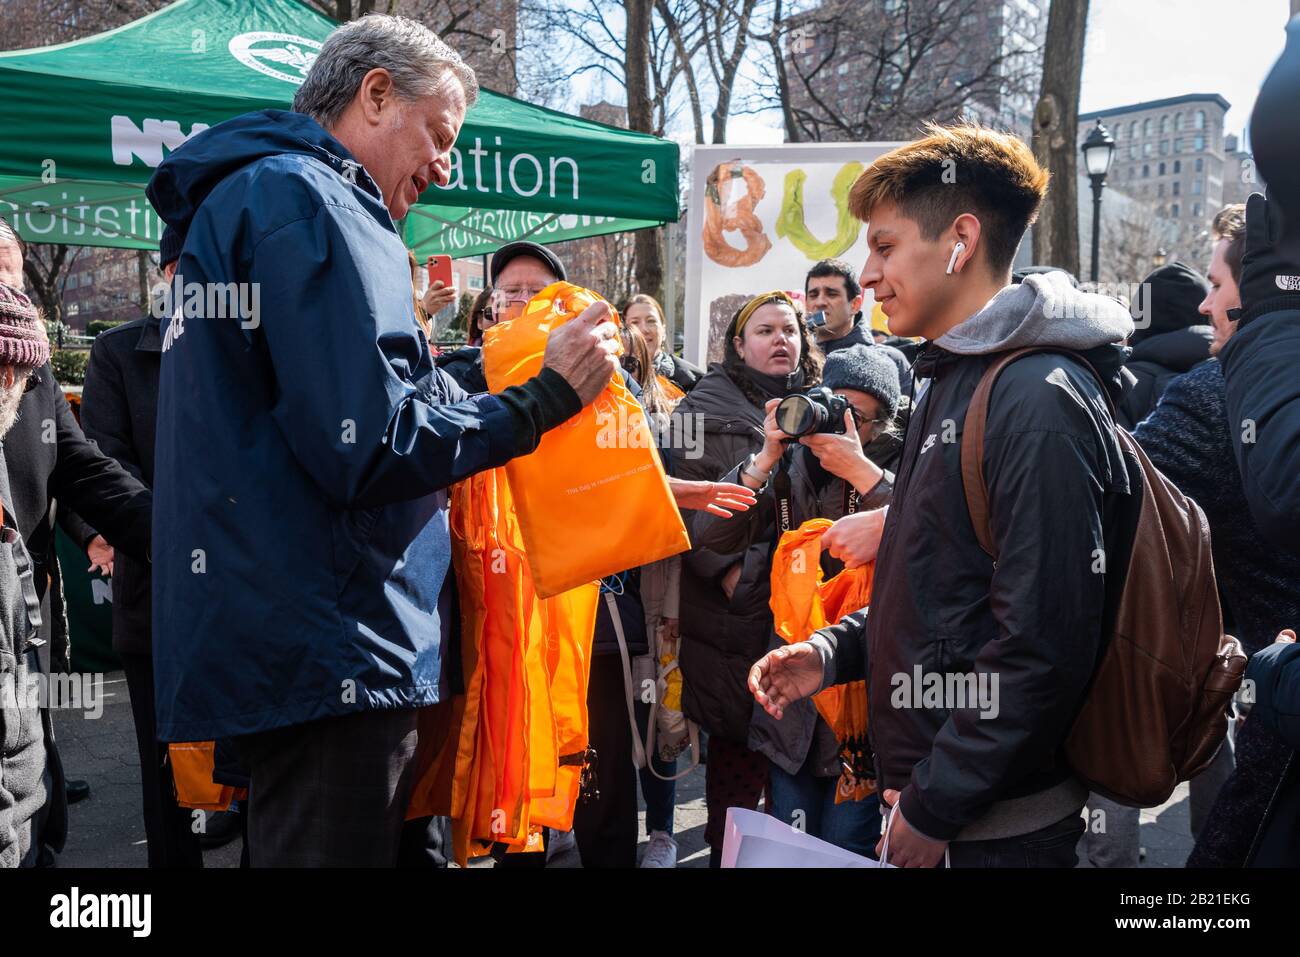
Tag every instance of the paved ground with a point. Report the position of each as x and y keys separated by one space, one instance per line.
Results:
x=106 y=829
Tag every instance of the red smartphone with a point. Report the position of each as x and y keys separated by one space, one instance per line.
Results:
x=439 y=268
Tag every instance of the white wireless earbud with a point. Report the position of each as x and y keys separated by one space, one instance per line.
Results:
x=952 y=261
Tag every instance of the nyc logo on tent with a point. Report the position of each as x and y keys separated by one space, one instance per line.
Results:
x=260 y=49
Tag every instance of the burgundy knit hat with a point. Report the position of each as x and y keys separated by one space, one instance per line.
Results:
x=22 y=340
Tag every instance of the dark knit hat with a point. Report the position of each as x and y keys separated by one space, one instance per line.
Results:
x=1169 y=297
x=864 y=368
x=22 y=340
x=169 y=247
x=525 y=248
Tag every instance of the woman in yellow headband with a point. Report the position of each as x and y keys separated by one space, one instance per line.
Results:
x=724 y=620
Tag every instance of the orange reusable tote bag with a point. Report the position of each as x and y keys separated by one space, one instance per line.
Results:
x=592 y=499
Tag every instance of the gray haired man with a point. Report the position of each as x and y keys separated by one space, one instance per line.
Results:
x=303 y=598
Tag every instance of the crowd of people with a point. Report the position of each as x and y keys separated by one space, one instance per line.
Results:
x=270 y=498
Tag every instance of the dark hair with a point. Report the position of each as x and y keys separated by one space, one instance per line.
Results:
x=474 y=334
x=835 y=267
x=959 y=169
x=810 y=357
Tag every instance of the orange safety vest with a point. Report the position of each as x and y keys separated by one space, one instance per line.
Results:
x=801 y=604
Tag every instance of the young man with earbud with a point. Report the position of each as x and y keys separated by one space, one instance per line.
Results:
x=979 y=778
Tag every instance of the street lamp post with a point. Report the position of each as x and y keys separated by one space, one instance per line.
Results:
x=1098 y=152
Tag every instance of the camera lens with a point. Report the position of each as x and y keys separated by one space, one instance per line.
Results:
x=799 y=415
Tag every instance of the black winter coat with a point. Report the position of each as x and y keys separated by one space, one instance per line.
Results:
x=119 y=407
x=1058 y=486
x=1155 y=362
x=1276 y=674
x=465 y=365
x=1263 y=396
x=721 y=637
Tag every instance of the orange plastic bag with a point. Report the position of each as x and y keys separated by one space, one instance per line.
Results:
x=598 y=475
x=192 y=765
x=801 y=604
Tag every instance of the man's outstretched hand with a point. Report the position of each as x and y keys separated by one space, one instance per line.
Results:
x=785 y=675
x=585 y=351
x=719 y=498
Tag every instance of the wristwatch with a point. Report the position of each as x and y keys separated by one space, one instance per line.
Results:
x=757 y=474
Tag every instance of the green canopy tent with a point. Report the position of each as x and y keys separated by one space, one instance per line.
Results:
x=86 y=123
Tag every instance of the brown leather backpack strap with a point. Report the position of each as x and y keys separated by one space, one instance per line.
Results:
x=972 y=444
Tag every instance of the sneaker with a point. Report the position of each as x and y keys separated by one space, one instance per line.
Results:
x=661 y=851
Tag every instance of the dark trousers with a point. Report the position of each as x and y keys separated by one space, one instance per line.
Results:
x=734 y=776
x=1051 y=846
x=606 y=829
x=168 y=827
x=334 y=792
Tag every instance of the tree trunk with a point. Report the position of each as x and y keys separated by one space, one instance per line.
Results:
x=640 y=117
x=1056 y=123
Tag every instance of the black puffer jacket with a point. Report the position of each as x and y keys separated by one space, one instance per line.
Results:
x=812 y=493
x=681 y=373
x=1058 y=487
x=1156 y=361
x=721 y=637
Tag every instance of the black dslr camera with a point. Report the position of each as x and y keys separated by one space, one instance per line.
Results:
x=811 y=412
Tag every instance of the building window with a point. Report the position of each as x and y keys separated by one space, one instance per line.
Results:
x=73 y=308
x=1198 y=144
x=1196 y=187
x=1178 y=122
x=1146 y=127
x=1178 y=188
x=1196 y=210
x=1146 y=170
x=1200 y=165
x=1133 y=130
x=1160 y=189
x=1146 y=148
x=1174 y=210
x=1132 y=151
x=1200 y=119
x=1164 y=147
x=1178 y=166
x=1161 y=170
x=475 y=282
x=1178 y=144
x=1164 y=124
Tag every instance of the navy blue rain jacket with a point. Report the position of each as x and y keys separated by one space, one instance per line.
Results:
x=300 y=540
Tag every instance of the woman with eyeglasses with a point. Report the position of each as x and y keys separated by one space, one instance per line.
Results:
x=817 y=474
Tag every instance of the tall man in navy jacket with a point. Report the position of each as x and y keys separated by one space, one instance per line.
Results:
x=305 y=441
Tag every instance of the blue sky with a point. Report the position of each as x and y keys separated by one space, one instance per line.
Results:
x=1149 y=49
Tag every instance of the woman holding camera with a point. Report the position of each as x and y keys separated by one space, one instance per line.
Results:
x=725 y=621
x=816 y=462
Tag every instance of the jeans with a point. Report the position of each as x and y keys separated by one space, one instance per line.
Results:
x=1051 y=846
x=807 y=802
x=660 y=796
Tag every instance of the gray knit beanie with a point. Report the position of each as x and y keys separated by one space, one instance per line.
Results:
x=866 y=369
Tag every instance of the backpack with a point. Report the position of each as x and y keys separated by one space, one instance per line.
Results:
x=1154 y=712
